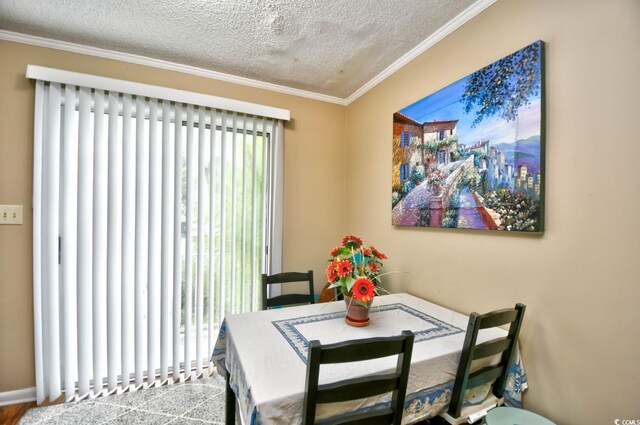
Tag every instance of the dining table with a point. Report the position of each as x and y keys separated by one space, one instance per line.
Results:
x=263 y=356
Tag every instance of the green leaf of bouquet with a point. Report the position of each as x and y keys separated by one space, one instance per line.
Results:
x=350 y=281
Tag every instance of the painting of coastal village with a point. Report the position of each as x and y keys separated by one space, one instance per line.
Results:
x=471 y=155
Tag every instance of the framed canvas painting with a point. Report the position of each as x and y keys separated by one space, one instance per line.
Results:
x=471 y=155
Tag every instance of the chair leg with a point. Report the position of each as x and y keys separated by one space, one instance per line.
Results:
x=230 y=404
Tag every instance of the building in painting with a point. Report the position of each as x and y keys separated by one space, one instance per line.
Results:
x=480 y=148
x=407 y=137
x=526 y=182
x=482 y=163
x=444 y=135
x=420 y=144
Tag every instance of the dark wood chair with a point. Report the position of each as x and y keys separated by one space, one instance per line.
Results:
x=496 y=374
x=361 y=387
x=287 y=299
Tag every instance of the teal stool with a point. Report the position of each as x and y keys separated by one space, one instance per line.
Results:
x=512 y=416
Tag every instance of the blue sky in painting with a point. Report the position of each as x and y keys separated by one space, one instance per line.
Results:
x=445 y=105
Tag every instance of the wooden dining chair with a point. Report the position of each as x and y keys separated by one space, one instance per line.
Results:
x=287 y=299
x=495 y=374
x=360 y=387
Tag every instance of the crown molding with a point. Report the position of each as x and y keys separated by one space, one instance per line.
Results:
x=157 y=63
x=434 y=38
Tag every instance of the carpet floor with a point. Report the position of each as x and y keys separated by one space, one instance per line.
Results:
x=192 y=403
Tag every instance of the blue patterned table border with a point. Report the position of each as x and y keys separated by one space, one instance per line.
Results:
x=288 y=327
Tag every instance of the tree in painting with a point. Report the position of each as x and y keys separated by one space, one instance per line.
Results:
x=505 y=86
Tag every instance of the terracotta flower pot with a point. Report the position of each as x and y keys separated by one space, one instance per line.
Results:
x=357 y=314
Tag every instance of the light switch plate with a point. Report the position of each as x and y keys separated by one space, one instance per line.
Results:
x=10 y=214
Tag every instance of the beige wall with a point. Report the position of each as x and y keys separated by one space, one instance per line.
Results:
x=580 y=280
x=313 y=147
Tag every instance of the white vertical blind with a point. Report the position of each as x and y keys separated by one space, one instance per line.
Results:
x=85 y=243
x=114 y=241
x=142 y=213
x=167 y=242
x=128 y=239
x=177 y=244
x=211 y=245
x=51 y=232
x=151 y=223
x=69 y=210
x=188 y=257
x=38 y=303
x=275 y=198
x=232 y=269
x=153 y=282
x=201 y=238
x=99 y=242
x=222 y=293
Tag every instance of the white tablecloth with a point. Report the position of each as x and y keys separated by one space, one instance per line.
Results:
x=265 y=354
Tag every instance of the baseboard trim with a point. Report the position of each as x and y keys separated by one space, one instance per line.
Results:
x=17 y=396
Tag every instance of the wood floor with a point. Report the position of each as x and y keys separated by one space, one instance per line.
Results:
x=10 y=415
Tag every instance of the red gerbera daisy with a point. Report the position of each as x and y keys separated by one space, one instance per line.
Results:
x=378 y=253
x=335 y=251
x=363 y=290
x=373 y=267
x=351 y=241
x=366 y=252
x=332 y=274
x=343 y=267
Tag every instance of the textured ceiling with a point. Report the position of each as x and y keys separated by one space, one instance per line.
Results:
x=332 y=47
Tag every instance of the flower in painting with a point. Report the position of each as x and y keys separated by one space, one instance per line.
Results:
x=363 y=290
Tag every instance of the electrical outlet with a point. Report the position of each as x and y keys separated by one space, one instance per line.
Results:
x=10 y=214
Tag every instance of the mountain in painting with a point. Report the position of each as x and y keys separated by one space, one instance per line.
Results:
x=522 y=152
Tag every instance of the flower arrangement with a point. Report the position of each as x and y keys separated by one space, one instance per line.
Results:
x=354 y=270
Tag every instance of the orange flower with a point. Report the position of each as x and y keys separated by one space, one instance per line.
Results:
x=378 y=253
x=351 y=241
x=344 y=267
x=332 y=274
x=363 y=290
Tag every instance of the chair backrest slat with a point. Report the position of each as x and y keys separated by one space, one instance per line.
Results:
x=286 y=277
x=484 y=375
x=287 y=299
x=354 y=389
x=359 y=387
x=498 y=318
x=490 y=348
x=497 y=374
x=367 y=350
